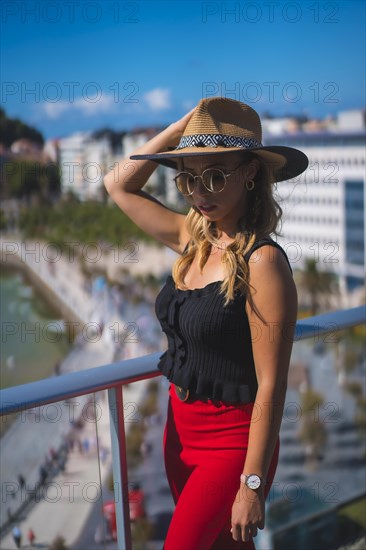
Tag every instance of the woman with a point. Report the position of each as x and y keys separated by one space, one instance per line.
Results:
x=229 y=312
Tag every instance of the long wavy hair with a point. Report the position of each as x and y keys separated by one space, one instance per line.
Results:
x=261 y=218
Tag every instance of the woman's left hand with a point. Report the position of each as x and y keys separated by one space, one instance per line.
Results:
x=247 y=514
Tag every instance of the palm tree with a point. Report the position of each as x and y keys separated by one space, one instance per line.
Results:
x=317 y=285
x=312 y=430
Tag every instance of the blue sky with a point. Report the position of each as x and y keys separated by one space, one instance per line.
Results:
x=70 y=66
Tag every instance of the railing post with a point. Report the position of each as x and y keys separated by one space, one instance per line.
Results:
x=120 y=478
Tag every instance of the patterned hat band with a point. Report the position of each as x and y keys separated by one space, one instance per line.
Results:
x=217 y=140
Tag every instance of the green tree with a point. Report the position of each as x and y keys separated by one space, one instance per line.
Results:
x=25 y=178
x=354 y=388
x=13 y=129
x=59 y=543
x=86 y=222
x=319 y=286
x=360 y=417
x=311 y=401
x=312 y=432
x=3 y=220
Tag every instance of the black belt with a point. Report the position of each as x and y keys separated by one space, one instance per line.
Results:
x=189 y=395
x=185 y=395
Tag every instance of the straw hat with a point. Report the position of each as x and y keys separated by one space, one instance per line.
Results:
x=219 y=126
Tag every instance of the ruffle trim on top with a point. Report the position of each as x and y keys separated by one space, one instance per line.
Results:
x=174 y=358
x=176 y=352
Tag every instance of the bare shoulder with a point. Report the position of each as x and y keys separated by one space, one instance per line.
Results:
x=268 y=260
x=272 y=287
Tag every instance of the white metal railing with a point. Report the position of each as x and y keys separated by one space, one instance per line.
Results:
x=113 y=376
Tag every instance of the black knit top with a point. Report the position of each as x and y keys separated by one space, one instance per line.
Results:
x=209 y=345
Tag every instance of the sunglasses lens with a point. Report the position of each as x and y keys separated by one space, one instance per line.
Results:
x=185 y=183
x=214 y=180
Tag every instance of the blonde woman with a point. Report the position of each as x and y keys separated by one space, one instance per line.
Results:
x=228 y=310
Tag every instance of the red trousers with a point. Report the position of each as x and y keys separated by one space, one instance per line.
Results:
x=205 y=445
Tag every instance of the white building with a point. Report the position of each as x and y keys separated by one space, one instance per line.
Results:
x=160 y=183
x=50 y=150
x=83 y=163
x=324 y=208
x=85 y=160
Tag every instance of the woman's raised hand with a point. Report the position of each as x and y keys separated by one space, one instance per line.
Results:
x=179 y=127
x=130 y=175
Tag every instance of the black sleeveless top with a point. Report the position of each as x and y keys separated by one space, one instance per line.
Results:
x=209 y=345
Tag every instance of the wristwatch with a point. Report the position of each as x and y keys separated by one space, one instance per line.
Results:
x=253 y=481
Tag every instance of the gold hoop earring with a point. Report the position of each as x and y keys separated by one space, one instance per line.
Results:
x=252 y=185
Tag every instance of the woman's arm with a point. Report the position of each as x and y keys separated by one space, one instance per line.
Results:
x=124 y=185
x=130 y=175
x=274 y=295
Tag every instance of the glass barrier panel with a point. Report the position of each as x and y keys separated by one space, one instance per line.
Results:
x=55 y=460
x=150 y=501
x=322 y=447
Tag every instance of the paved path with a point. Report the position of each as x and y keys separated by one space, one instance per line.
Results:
x=66 y=501
x=69 y=498
x=61 y=270
x=37 y=430
x=63 y=277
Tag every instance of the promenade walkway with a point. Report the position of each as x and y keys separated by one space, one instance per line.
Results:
x=68 y=499
x=26 y=444
x=62 y=276
x=61 y=271
x=68 y=496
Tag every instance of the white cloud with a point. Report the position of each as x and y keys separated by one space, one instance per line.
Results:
x=158 y=99
x=103 y=104
x=55 y=110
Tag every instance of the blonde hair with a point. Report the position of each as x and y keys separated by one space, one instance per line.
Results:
x=260 y=219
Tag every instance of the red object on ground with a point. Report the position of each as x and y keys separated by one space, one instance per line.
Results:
x=136 y=499
x=31 y=536
x=109 y=512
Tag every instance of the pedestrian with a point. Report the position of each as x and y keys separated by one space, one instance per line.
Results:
x=17 y=536
x=21 y=481
x=53 y=455
x=86 y=445
x=80 y=445
x=57 y=368
x=9 y=514
x=228 y=310
x=31 y=536
x=43 y=474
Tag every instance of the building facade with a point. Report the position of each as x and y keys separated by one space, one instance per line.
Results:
x=83 y=163
x=161 y=183
x=324 y=208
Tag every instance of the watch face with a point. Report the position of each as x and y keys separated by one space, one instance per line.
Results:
x=253 y=481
